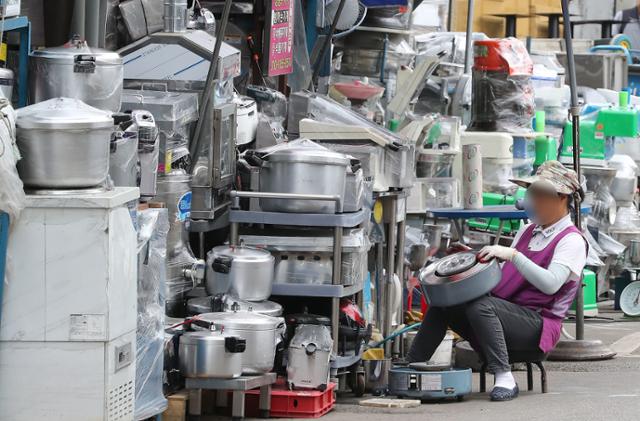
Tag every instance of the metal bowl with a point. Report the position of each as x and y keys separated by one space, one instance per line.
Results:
x=458 y=278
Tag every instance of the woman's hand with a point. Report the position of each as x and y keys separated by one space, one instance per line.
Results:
x=499 y=252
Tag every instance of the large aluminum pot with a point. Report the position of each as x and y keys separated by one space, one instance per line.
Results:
x=205 y=354
x=75 y=70
x=243 y=272
x=303 y=170
x=64 y=144
x=458 y=278
x=262 y=333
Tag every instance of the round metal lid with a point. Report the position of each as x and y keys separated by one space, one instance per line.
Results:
x=63 y=113
x=76 y=47
x=308 y=155
x=201 y=305
x=242 y=320
x=242 y=254
x=456 y=263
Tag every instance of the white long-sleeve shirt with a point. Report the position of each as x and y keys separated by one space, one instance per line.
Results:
x=567 y=263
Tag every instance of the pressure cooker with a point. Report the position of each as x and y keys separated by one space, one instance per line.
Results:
x=262 y=333
x=459 y=278
x=64 y=144
x=243 y=272
x=206 y=354
x=75 y=70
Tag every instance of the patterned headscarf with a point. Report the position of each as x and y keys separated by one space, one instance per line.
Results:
x=555 y=176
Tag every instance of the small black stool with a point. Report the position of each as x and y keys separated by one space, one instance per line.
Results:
x=529 y=358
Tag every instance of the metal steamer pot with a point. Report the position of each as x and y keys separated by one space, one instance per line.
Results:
x=75 y=70
x=205 y=354
x=458 y=278
x=262 y=333
x=307 y=171
x=64 y=144
x=243 y=272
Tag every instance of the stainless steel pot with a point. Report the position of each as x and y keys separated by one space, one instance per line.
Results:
x=64 y=144
x=243 y=272
x=205 y=354
x=623 y=189
x=75 y=70
x=262 y=333
x=458 y=278
x=303 y=170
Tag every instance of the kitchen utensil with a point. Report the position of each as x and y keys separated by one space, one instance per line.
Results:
x=262 y=333
x=75 y=70
x=308 y=357
x=243 y=272
x=303 y=170
x=64 y=144
x=458 y=278
x=205 y=354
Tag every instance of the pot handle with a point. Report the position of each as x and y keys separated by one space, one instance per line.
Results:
x=222 y=264
x=84 y=63
x=253 y=158
x=235 y=345
x=355 y=165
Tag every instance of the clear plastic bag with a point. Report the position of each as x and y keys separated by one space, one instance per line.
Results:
x=12 y=198
x=153 y=226
x=301 y=75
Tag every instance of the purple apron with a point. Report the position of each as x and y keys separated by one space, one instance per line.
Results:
x=514 y=288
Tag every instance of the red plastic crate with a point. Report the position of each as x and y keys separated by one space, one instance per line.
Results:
x=287 y=403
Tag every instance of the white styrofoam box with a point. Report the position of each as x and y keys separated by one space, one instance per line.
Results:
x=492 y=145
x=71 y=270
x=68 y=381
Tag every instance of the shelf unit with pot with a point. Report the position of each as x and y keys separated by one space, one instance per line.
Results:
x=337 y=221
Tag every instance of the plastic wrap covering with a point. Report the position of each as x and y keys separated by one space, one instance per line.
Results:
x=453 y=43
x=302 y=73
x=373 y=55
x=431 y=15
x=496 y=174
x=355 y=191
x=503 y=98
x=398 y=17
x=627 y=219
x=174 y=114
x=554 y=102
x=12 y=197
x=153 y=227
x=309 y=355
x=433 y=193
x=123 y=160
x=307 y=257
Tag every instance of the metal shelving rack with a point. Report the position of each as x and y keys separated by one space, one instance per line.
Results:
x=337 y=222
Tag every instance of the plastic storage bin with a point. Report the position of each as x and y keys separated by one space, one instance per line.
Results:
x=293 y=403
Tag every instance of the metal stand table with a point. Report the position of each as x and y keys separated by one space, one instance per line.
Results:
x=238 y=387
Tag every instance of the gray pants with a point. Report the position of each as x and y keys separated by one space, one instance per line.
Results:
x=492 y=325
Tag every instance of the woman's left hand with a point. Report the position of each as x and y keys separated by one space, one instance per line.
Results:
x=499 y=252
